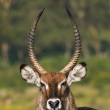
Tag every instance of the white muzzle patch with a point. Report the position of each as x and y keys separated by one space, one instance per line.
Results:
x=54 y=104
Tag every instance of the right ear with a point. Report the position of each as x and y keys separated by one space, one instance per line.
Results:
x=29 y=75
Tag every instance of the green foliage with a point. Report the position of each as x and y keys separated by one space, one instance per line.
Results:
x=98 y=72
x=54 y=29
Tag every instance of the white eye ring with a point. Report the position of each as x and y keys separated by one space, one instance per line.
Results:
x=63 y=84
x=60 y=84
x=44 y=83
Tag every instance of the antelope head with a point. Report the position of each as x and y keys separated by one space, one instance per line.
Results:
x=55 y=93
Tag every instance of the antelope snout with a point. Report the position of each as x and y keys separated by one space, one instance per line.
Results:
x=54 y=103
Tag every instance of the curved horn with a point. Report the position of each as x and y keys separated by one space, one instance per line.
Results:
x=31 y=52
x=77 y=52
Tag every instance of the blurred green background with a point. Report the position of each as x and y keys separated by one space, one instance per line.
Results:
x=54 y=46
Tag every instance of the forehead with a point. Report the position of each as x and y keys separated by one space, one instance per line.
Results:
x=53 y=77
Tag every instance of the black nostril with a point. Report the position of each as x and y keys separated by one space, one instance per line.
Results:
x=51 y=104
x=54 y=104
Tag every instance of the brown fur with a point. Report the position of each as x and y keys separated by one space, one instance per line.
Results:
x=52 y=79
x=49 y=77
x=64 y=94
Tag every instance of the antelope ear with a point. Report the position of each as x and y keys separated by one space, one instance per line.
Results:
x=78 y=72
x=29 y=75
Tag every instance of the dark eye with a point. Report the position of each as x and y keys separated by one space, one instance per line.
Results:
x=64 y=83
x=42 y=84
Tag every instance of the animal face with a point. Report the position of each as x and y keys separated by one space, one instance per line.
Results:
x=54 y=86
x=52 y=83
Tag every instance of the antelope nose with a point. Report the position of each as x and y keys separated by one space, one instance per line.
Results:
x=54 y=104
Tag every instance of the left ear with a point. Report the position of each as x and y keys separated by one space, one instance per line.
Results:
x=29 y=75
x=78 y=72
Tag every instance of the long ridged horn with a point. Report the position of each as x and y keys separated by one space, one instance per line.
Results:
x=77 y=52
x=31 y=52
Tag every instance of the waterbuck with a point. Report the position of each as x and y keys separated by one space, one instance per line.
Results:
x=54 y=87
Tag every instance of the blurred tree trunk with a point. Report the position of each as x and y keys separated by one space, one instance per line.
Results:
x=85 y=50
x=5 y=49
x=20 y=55
x=6 y=4
x=68 y=47
x=97 y=49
